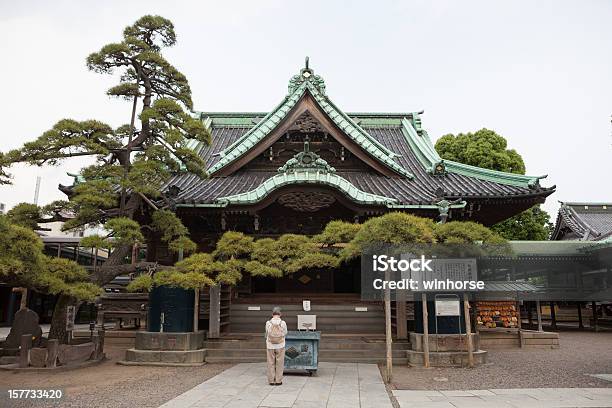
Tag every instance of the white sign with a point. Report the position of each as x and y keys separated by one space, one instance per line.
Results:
x=448 y=308
x=307 y=322
x=306 y=305
x=70 y=315
x=254 y=308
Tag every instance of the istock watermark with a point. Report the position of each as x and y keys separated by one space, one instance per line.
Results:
x=487 y=272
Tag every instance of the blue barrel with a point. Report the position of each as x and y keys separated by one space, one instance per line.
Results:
x=176 y=304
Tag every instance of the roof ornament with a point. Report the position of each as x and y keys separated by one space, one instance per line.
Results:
x=444 y=207
x=308 y=161
x=306 y=75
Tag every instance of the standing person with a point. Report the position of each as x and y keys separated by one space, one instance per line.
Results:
x=276 y=330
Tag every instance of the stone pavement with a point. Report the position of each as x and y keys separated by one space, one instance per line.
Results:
x=507 y=398
x=337 y=385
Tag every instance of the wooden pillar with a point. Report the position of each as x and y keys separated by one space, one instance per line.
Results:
x=214 y=327
x=519 y=324
x=594 y=305
x=468 y=330
x=539 y=313
x=401 y=319
x=196 y=310
x=425 y=331
x=388 y=338
x=580 y=324
x=529 y=315
x=553 y=316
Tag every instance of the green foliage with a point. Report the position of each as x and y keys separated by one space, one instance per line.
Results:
x=183 y=243
x=465 y=232
x=393 y=228
x=96 y=241
x=172 y=231
x=23 y=263
x=337 y=232
x=530 y=225
x=312 y=260
x=488 y=150
x=483 y=148
x=256 y=268
x=125 y=231
x=21 y=253
x=233 y=245
x=142 y=283
x=25 y=214
x=160 y=143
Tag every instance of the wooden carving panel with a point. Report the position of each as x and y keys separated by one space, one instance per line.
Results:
x=306 y=201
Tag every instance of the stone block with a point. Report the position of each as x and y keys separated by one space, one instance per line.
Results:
x=143 y=356
x=25 y=322
x=190 y=356
x=444 y=342
x=446 y=359
x=169 y=341
x=38 y=357
x=70 y=354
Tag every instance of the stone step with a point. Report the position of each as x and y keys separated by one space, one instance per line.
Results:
x=324 y=345
x=338 y=328
x=364 y=360
x=346 y=355
x=314 y=308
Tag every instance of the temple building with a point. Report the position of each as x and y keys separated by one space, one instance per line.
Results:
x=583 y=222
x=307 y=162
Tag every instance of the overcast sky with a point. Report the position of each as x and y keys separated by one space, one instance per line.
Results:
x=538 y=73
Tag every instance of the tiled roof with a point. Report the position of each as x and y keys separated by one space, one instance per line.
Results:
x=419 y=190
x=584 y=221
x=395 y=140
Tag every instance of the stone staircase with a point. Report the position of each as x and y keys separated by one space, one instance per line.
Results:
x=243 y=348
x=331 y=318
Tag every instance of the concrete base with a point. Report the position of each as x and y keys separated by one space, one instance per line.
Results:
x=169 y=341
x=165 y=356
x=446 y=359
x=179 y=349
x=500 y=340
x=444 y=342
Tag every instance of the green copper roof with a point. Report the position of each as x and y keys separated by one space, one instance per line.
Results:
x=304 y=176
x=298 y=86
x=424 y=150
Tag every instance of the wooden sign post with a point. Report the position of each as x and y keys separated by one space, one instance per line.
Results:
x=425 y=331
x=468 y=330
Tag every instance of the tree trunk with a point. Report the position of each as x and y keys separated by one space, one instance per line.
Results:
x=58 y=321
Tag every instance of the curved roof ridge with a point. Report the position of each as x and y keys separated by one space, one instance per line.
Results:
x=435 y=164
x=298 y=86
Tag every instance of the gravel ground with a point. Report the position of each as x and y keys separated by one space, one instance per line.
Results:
x=581 y=353
x=110 y=384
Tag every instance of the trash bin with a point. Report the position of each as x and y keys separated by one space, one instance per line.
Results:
x=302 y=351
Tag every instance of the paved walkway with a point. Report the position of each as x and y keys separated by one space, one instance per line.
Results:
x=337 y=385
x=507 y=398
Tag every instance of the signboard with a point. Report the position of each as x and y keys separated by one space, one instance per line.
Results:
x=443 y=273
x=70 y=315
x=447 y=307
x=307 y=322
